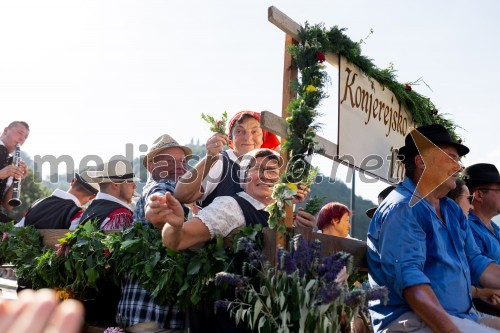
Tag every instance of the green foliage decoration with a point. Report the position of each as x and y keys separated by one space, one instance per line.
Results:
x=317 y=41
x=88 y=255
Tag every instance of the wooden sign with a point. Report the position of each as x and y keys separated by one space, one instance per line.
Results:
x=372 y=124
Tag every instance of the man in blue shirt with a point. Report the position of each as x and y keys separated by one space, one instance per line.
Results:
x=424 y=251
x=483 y=181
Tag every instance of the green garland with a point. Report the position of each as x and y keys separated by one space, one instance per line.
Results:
x=309 y=56
x=88 y=256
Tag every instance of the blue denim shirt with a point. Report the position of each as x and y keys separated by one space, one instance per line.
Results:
x=160 y=186
x=409 y=246
x=487 y=241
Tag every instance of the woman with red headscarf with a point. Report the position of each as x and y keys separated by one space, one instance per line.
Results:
x=217 y=173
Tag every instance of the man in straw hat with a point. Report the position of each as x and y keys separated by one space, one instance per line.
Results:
x=111 y=206
x=166 y=162
x=62 y=209
x=420 y=246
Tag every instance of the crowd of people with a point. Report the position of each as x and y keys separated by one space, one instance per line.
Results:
x=439 y=257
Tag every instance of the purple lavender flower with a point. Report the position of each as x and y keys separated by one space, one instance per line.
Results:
x=222 y=304
x=286 y=262
x=374 y=294
x=354 y=298
x=230 y=278
x=332 y=265
x=302 y=254
x=329 y=293
x=254 y=255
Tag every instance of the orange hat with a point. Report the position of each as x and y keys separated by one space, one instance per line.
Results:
x=269 y=140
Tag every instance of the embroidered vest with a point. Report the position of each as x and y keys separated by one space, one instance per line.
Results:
x=100 y=209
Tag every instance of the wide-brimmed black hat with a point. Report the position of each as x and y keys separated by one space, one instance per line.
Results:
x=88 y=185
x=381 y=196
x=481 y=173
x=436 y=134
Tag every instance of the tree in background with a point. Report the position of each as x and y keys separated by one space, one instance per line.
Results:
x=30 y=192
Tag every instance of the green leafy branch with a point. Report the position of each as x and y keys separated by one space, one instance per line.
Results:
x=216 y=125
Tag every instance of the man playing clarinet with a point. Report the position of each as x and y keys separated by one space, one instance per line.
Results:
x=15 y=134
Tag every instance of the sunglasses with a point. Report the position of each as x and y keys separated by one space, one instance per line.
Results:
x=488 y=189
x=469 y=197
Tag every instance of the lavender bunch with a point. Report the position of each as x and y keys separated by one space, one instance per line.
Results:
x=300 y=294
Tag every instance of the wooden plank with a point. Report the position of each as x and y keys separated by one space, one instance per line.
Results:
x=273 y=123
x=51 y=236
x=282 y=21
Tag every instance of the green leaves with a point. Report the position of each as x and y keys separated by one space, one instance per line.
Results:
x=216 y=125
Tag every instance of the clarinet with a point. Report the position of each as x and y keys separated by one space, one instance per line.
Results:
x=16 y=186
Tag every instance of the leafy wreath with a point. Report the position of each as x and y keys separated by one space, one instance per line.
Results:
x=309 y=56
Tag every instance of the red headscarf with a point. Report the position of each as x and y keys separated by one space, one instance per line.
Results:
x=269 y=140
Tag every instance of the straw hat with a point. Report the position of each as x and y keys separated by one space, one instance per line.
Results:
x=163 y=142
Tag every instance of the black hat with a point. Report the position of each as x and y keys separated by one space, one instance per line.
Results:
x=435 y=133
x=381 y=196
x=481 y=173
x=89 y=186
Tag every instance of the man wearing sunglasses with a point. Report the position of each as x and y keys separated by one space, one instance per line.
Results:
x=483 y=181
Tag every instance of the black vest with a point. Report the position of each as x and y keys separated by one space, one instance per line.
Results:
x=98 y=210
x=252 y=215
x=51 y=213
x=229 y=184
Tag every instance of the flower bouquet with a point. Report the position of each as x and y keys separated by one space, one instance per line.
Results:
x=303 y=293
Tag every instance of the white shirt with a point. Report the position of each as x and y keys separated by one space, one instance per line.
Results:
x=11 y=179
x=224 y=214
x=60 y=194
x=214 y=176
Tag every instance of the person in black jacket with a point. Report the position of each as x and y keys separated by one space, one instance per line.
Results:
x=61 y=210
x=15 y=134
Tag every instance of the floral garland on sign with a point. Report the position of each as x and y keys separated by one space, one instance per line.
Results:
x=309 y=56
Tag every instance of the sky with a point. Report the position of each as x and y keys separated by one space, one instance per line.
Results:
x=92 y=76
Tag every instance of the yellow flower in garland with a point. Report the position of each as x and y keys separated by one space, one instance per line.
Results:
x=311 y=88
x=292 y=186
x=64 y=294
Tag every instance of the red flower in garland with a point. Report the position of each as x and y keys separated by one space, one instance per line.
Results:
x=4 y=236
x=459 y=141
x=407 y=87
x=321 y=57
x=106 y=252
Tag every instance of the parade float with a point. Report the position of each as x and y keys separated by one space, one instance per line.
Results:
x=286 y=279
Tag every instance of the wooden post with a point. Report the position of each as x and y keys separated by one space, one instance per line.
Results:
x=290 y=73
